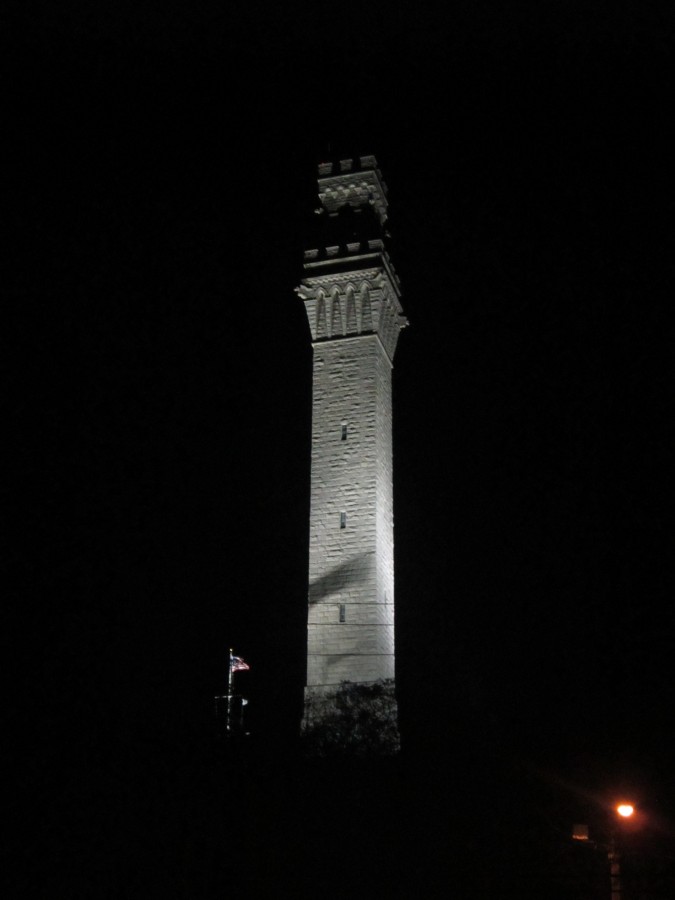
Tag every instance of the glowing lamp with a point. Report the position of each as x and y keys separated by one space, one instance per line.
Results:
x=625 y=809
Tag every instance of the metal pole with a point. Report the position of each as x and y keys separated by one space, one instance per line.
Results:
x=229 y=693
x=614 y=870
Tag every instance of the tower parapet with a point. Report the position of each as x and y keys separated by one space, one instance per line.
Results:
x=353 y=182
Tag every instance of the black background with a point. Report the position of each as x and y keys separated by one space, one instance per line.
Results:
x=166 y=164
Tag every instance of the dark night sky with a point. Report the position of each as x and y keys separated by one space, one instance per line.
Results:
x=169 y=158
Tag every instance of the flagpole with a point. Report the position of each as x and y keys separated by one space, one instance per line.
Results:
x=229 y=693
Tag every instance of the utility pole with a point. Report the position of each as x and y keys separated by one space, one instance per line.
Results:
x=614 y=869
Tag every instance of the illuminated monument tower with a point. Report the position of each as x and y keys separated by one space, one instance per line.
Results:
x=351 y=295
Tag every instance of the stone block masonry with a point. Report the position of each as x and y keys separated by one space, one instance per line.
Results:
x=351 y=521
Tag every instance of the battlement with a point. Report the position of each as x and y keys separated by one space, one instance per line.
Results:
x=335 y=167
x=353 y=182
x=355 y=249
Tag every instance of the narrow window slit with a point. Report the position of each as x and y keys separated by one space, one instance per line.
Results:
x=344 y=432
x=343 y=613
x=343 y=520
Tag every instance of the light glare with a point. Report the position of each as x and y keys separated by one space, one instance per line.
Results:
x=625 y=810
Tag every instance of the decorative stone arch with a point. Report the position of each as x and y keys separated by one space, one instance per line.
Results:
x=336 y=317
x=320 y=315
x=384 y=318
x=365 y=307
x=350 y=310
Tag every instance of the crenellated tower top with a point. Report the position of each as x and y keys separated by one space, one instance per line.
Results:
x=350 y=286
x=353 y=182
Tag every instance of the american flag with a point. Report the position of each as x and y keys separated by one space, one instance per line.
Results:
x=237 y=664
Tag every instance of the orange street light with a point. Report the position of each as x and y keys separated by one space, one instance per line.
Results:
x=625 y=810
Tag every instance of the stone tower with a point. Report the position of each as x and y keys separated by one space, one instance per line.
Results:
x=351 y=296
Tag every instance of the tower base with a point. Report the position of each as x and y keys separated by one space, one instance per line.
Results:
x=351 y=720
